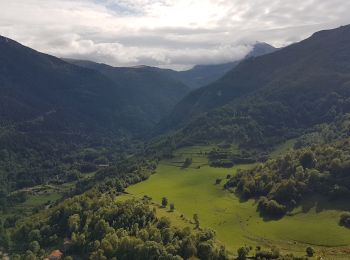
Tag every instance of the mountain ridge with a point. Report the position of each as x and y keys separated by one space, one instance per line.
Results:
x=204 y=74
x=314 y=67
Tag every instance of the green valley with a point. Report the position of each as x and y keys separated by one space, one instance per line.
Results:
x=193 y=191
x=241 y=153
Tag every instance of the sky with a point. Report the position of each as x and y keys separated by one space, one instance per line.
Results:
x=173 y=34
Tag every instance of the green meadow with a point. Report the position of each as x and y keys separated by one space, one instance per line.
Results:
x=237 y=223
x=39 y=197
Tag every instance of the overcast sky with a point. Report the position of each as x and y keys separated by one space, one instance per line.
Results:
x=165 y=33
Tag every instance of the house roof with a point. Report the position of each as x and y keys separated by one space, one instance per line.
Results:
x=56 y=253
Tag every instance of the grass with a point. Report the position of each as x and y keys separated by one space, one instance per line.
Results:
x=40 y=196
x=237 y=223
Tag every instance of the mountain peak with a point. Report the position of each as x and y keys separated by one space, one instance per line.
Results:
x=261 y=48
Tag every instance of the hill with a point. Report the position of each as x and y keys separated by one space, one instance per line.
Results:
x=275 y=95
x=202 y=75
x=151 y=90
x=56 y=116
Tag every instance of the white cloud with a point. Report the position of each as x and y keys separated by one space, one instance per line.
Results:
x=166 y=33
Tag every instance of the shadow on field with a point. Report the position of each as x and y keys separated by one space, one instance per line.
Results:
x=320 y=203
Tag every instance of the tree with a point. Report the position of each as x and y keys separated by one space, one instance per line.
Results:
x=188 y=248
x=30 y=256
x=164 y=202
x=164 y=222
x=307 y=159
x=243 y=252
x=74 y=222
x=34 y=235
x=187 y=163
x=98 y=255
x=310 y=251
x=196 y=220
x=34 y=247
x=222 y=253
x=172 y=207
x=205 y=251
x=345 y=219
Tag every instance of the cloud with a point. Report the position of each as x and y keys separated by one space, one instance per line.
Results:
x=165 y=33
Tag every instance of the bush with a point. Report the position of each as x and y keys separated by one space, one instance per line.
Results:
x=164 y=202
x=345 y=220
x=242 y=253
x=187 y=163
x=271 y=207
x=310 y=251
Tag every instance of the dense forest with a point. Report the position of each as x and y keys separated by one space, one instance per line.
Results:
x=57 y=118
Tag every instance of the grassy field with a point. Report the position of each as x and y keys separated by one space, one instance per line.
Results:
x=40 y=196
x=237 y=223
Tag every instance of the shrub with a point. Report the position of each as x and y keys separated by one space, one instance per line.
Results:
x=310 y=251
x=345 y=220
x=187 y=163
x=271 y=207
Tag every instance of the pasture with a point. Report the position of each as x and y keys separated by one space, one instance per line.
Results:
x=193 y=190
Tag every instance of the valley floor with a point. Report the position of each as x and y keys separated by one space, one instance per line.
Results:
x=237 y=223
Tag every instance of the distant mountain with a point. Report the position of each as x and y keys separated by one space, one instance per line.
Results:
x=148 y=89
x=202 y=75
x=272 y=95
x=36 y=85
x=51 y=110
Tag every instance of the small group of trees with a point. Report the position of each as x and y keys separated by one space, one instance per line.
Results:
x=245 y=252
x=165 y=204
x=280 y=184
x=218 y=181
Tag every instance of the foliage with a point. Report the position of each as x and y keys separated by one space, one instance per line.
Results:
x=164 y=202
x=281 y=183
x=345 y=220
x=99 y=227
x=196 y=220
x=242 y=252
x=187 y=163
x=310 y=251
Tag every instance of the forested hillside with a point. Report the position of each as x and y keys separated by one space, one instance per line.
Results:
x=56 y=117
x=272 y=96
x=148 y=90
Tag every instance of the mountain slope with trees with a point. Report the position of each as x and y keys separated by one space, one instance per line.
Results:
x=150 y=90
x=52 y=112
x=275 y=95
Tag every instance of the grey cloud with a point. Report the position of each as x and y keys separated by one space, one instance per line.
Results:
x=165 y=33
